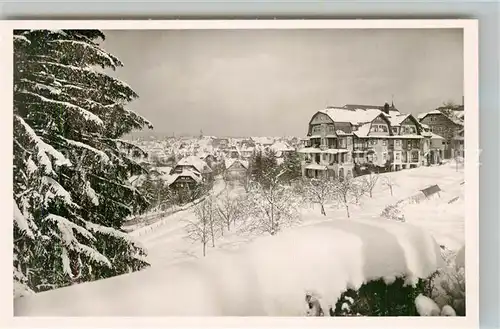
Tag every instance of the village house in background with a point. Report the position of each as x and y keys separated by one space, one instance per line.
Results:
x=235 y=169
x=341 y=142
x=447 y=122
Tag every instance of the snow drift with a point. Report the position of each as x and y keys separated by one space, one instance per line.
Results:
x=268 y=277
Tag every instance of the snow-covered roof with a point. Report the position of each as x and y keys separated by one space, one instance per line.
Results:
x=342 y=133
x=309 y=150
x=185 y=173
x=335 y=151
x=363 y=130
x=315 y=166
x=455 y=116
x=397 y=119
x=422 y=115
x=408 y=136
x=281 y=147
x=263 y=140
x=355 y=117
x=431 y=135
x=196 y=162
x=164 y=170
x=229 y=162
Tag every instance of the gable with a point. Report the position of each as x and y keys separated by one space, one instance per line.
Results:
x=346 y=127
x=320 y=118
x=236 y=165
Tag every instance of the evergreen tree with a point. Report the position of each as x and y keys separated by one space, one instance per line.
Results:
x=257 y=166
x=291 y=166
x=71 y=192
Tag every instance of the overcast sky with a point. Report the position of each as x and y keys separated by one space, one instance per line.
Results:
x=263 y=82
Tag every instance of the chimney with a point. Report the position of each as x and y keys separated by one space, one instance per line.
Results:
x=386 y=108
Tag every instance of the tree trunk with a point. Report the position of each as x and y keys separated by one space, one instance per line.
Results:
x=347 y=209
x=204 y=249
x=323 y=210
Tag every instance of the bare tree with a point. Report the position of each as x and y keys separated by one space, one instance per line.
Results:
x=318 y=191
x=343 y=191
x=228 y=209
x=199 y=229
x=358 y=189
x=270 y=207
x=389 y=182
x=212 y=218
x=370 y=181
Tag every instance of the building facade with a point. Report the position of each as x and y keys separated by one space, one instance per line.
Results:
x=446 y=127
x=341 y=141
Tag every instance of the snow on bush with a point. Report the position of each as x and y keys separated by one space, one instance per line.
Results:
x=392 y=212
x=269 y=276
x=426 y=306
x=449 y=283
x=447 y=310
x=460 y=258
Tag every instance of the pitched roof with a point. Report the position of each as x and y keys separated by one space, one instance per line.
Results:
x=281 y=146
x=396 y=120
x=229 y=162
x=363 y=130
x=355 y=117
x=431 y=135
x=262 y=140
x=185 y=173
x=456 y=116
x=362 y=107
x=196 y=162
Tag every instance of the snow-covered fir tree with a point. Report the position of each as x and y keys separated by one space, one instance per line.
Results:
x=71 y=193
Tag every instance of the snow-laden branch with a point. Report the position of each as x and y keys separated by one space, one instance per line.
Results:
x=87 y=115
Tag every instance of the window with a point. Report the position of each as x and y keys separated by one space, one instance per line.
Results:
x=373 y=142
x=342 y=142
x=331 y=129
x=324 y=157
x=384 y=156
x=395 y=130
x=414 y=156
x=398 y=142
x=379 y=128
x=398 y=156
x=384 y=142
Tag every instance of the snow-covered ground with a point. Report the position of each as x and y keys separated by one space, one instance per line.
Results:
x=178 y=212
x=166 y=243
x=249 y=275
x=268 y=277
